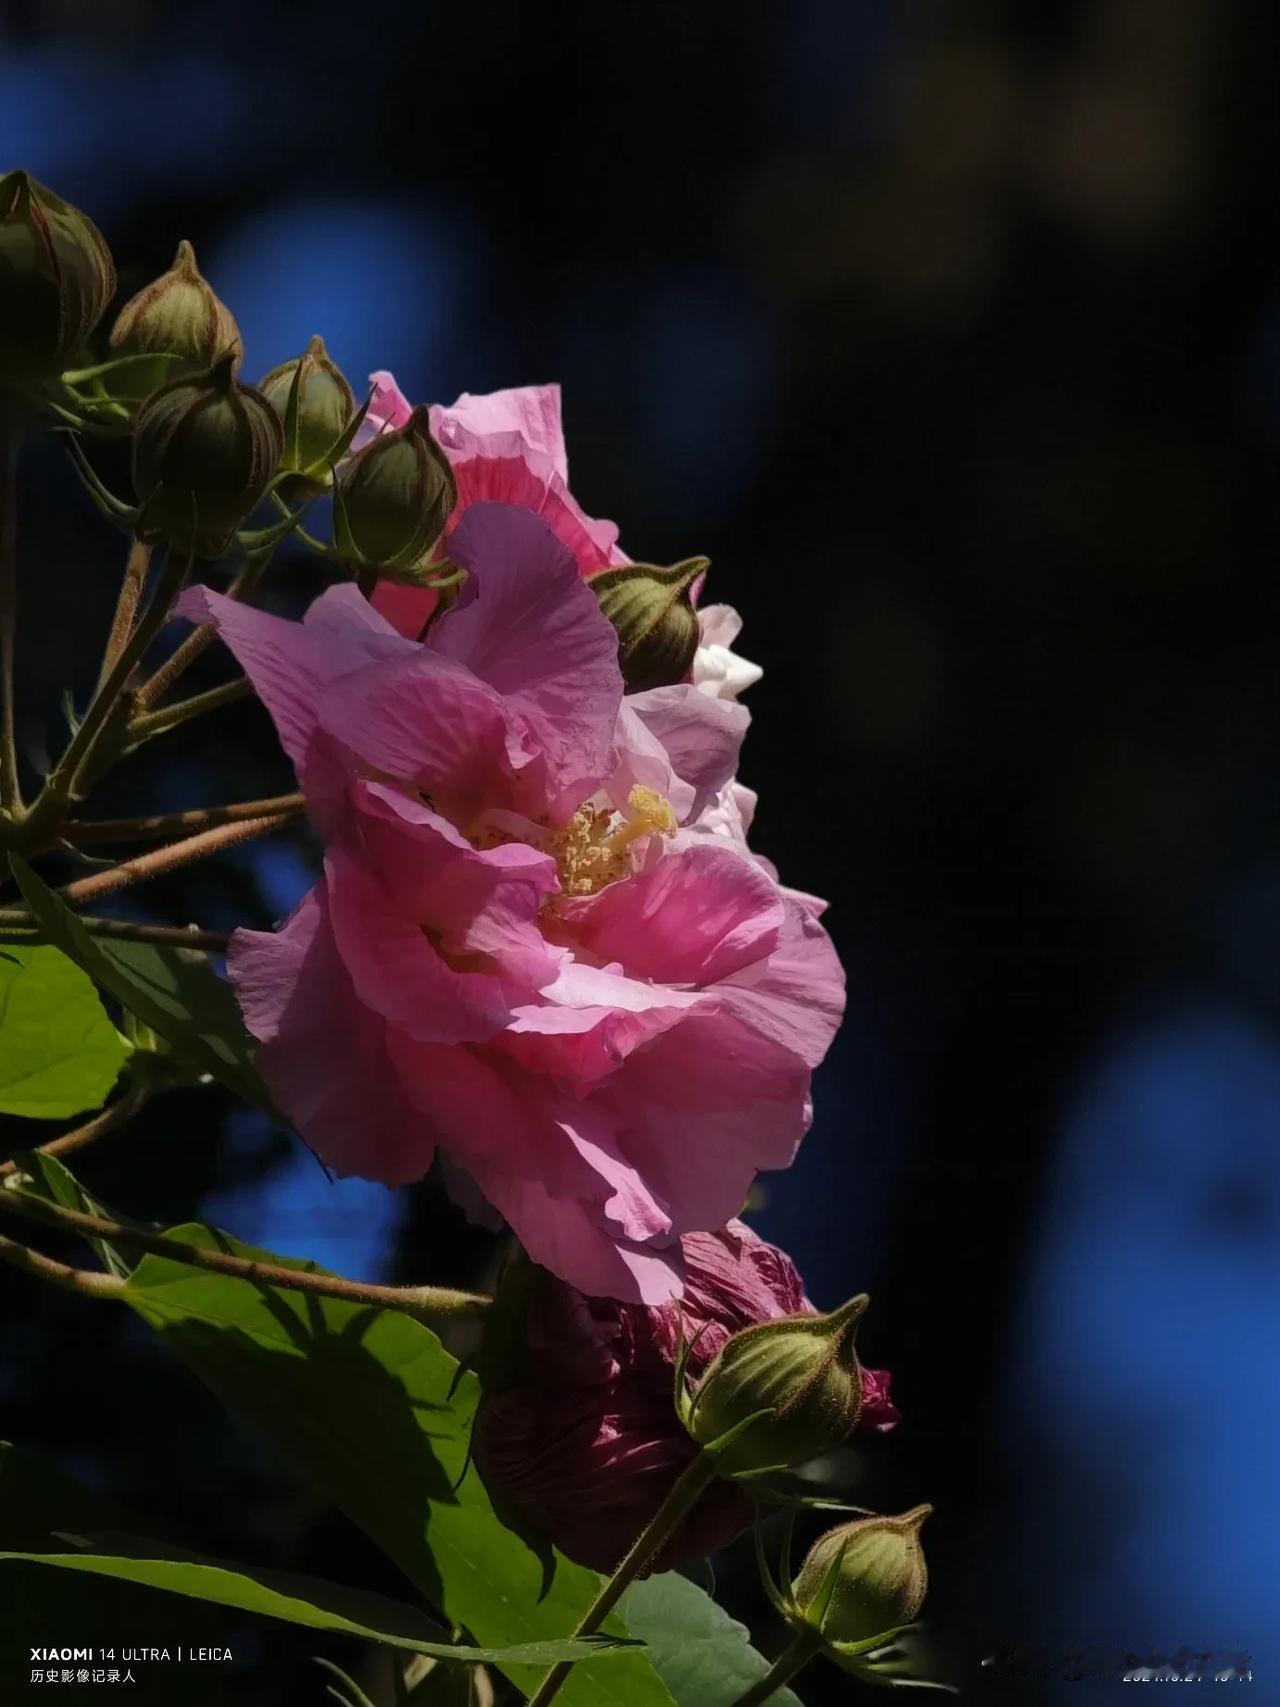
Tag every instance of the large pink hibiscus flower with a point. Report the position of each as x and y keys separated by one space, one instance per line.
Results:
x=540 y=942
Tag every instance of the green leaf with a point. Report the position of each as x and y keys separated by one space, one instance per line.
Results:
x=369 y=1407
x=295 y=1599
x=36 y=1499
x=51 y=1180
x=704 y=1657
x=59 y=1053
x=173 y=990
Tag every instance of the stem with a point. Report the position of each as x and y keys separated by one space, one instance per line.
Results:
x=86 y=1283
x=200 y=639
x=155 y=864
x=10 y=787
x=689 y=1487
x=135 y=579
x=156 y=722
x=793 y=1658
x=421 y=1301
x=18 y=926
x=107 y=1121
x=60 y=787
x=174 y=823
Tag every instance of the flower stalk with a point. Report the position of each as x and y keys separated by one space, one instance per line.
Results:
x=65 y=779
x=792 y=1660
x=687 y=1490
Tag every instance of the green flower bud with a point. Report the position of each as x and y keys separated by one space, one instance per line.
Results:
x=325 y=407
x=652 y=610
x=799 y=1381
x=204 y=452
x=394 y=499
x=863 y=1580
x=56 y=278
x=176 y=315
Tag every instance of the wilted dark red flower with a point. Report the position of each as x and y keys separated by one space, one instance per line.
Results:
x=586 y=1444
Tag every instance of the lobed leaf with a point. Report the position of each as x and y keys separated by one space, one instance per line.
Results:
x=59 y=1052
x=704 y=1656
x=173 y=990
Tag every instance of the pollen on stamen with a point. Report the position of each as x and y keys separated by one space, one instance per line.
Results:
x=593 y=849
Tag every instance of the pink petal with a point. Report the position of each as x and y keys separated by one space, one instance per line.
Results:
x=527 y=625
x=389 y=409
x=430 y=722
x=475 y=902
x=695 y=917
x=289 y=663
x=700 y=735
x=530 y=413
x=397 y=972
x=796 y=997
x=743 y=1095
x=323 y=1053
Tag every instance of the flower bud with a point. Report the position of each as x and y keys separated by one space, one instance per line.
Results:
x=204 y=451
x=394 y=499
x=576 y=1436
x=176 y=316
x=652 y=610
x=797 y=1379
x=325 y=407
x=56 y=278
x=864 y=1579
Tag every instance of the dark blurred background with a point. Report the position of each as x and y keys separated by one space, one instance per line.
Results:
x=951 y=333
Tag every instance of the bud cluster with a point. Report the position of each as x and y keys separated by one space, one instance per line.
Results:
x=207 y=448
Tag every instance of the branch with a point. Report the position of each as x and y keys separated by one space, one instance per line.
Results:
x=156 y=722
x=106 y=1121
x=201 y=638
x=147 y=866
x=17 y=925
x=421 y=1301
x=175 y=823
x=83 y=1281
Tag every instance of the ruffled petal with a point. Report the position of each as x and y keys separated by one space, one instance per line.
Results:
x=696 y=917
x=527 y=626
x=323 y=1053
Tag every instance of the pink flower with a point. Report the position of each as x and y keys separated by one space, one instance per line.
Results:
x=531 y=946
x=586 y=1445
x=507 y=447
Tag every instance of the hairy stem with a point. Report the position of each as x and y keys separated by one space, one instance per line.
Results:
x=130 y=596
x=177 y=854
x=60 y=787
x=422 y=1301
x=19 y=926
x=10 y=788
x=107 y=1121
x=689 y=1487
x=200 y=639
x=793 y=1658
x=83 y=1281
x=170 y=716
x=165 y=824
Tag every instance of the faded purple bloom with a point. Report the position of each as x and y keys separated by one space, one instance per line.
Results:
x=586 y=1445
